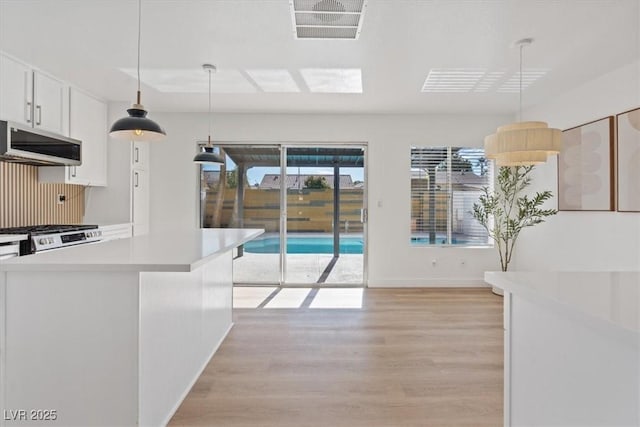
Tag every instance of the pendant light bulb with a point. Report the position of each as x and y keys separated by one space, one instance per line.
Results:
x=207 y=155
x=137 y=126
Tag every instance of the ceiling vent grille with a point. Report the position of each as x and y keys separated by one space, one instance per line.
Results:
x=327 y=19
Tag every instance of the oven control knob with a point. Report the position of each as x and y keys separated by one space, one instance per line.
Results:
x=50 y=240
x=42 y=241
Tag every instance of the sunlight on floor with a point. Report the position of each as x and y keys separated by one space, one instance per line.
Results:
x=274 y=297
x=289 y=298
x=250 y=297
x=338 y=298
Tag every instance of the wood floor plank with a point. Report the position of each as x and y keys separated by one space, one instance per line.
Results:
x=409 y=357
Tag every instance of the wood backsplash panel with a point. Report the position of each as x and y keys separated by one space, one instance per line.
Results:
x=25 y=201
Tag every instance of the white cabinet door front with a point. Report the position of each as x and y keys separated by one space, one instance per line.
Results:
x=140 y=202
x=48 y=113
x=88 y=123
x=15 y=91
x=140 y=155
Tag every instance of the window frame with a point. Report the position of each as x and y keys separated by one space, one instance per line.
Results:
x=486 y=166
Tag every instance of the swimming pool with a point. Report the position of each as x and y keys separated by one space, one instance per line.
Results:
x=304 y=245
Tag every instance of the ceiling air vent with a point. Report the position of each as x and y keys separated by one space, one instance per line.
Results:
x=327 y=19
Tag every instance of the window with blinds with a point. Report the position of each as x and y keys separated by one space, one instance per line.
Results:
x=445 y=183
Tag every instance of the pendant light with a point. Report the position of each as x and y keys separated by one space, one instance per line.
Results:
x=137 y=126
x=207 y=155
x=522 y=143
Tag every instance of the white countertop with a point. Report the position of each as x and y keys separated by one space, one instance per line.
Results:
x=611 y=297
x=175 y=250
x=8 y=238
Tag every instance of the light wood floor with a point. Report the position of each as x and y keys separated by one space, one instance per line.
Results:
x=410 y=357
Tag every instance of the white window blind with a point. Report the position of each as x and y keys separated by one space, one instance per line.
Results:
x=445 y=183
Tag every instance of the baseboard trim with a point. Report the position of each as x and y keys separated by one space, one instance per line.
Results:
x=428 y=283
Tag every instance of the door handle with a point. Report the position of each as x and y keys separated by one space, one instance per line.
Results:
x=28 y=112
x=73 y=172
x=135 y=180
x=137 y=156
x=39 y=111
x=364 y=214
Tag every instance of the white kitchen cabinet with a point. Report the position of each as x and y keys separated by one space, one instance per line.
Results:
x=16 y=91
x=140 y=187
x=48 y=103
x=140 y=196
x=140 y=155
x=115 y=231
x=88 y=123
x=32 y=97
x=127 y=197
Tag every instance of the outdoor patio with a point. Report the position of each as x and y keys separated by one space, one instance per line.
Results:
x=347 y=269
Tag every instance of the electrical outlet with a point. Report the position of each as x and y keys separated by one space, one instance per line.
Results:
x=61 y=199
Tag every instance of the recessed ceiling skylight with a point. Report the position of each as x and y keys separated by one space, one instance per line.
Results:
x=333 y=80
x=278 y=80
x=463 y=80
x=193 y=80
x=529 y=76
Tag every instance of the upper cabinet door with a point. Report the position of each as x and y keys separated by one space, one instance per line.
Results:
x=140 y=155
x=16 y=91
x=48 y=110
x=88 y=123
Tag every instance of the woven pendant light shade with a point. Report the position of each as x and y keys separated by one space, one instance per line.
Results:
x=523 y=143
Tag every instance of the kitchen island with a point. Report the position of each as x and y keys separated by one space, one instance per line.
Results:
x=113 y=333
x=572 y=348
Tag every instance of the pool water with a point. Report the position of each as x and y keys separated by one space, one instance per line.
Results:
x=304 y=245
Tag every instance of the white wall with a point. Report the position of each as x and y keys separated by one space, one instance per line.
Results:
x=392 y=261
x=583 y=240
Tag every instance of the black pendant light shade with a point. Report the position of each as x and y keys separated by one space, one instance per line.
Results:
x=208 y=156
x=137 y=127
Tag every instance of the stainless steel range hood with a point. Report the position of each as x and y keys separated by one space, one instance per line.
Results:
x=23 y=144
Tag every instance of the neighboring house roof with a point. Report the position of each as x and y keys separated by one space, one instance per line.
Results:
x=272 y=181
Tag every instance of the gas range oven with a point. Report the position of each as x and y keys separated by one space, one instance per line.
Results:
x=54 y=236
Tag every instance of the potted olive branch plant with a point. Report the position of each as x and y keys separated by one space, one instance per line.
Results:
x=510 y=212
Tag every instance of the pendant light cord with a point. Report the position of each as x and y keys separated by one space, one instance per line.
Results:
x=210 y=115
x=520 y=91
x=139 y=37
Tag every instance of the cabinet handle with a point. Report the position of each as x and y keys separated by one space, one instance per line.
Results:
x=73 y=174
x=137 y=156
x=135 y=175
x=39 y=111
x=28 y=112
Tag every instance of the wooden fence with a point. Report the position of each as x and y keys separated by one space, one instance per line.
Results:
x=309 y=210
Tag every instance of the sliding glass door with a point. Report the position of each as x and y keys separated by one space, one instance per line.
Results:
x=311 y=201
x=324 y=215
x=245 y=193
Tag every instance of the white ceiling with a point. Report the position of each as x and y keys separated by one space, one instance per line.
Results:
x=91 y=42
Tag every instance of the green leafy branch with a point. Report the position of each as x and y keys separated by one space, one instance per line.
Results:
x=510 y=213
